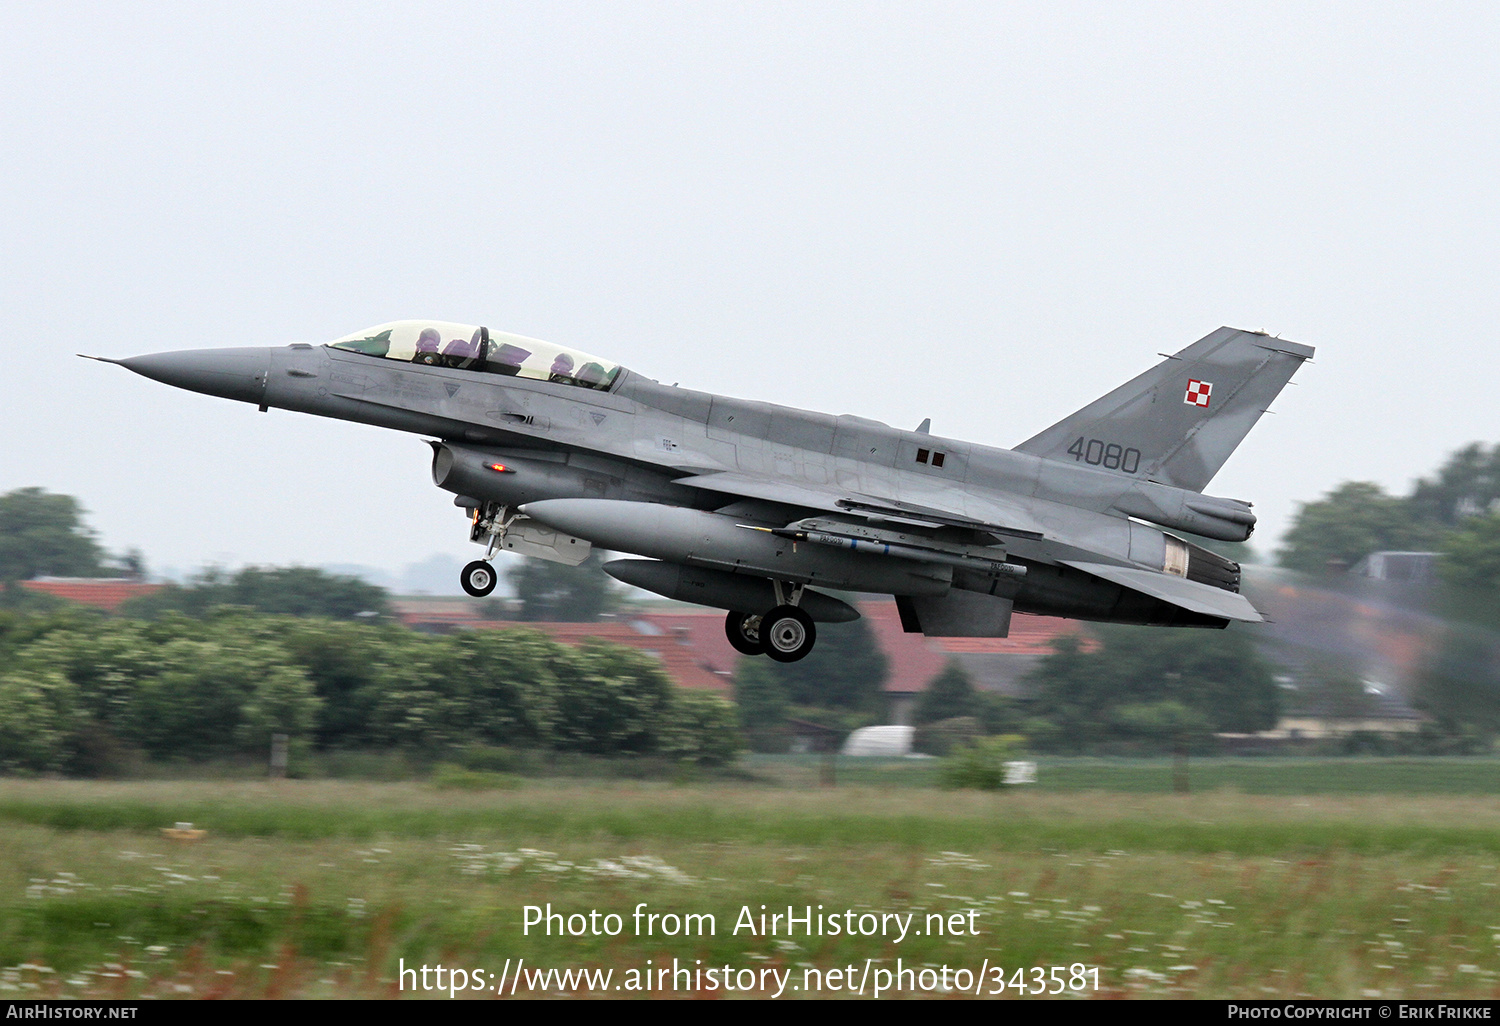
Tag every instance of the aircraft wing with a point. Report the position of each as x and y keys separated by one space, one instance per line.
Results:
x=749 y=486
x=891 y=509
x=1177 y=591
x=772 y=490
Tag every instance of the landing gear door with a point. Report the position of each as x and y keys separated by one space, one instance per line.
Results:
x=528 y=538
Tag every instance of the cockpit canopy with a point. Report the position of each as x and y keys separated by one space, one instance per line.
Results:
x=471 y=347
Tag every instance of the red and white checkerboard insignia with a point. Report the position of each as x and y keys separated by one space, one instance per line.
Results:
x=1198 y=392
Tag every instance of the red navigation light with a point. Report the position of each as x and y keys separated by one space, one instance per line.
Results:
x=500 y=468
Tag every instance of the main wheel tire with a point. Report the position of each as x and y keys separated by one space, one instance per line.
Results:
x=478 y=578
x=744 y=637
x=788 y=634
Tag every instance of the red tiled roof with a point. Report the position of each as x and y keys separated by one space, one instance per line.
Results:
x=916 y=659
x=104 y=592
x=693 y=648
x=913 y=659
x=1029 y=635
x=704 y=633
x=681 y=661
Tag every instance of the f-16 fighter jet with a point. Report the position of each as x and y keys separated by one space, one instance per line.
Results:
x=751 y=507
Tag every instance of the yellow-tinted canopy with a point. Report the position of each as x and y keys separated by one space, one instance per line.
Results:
x=472 y=347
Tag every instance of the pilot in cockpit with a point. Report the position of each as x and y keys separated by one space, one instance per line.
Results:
x=462 y=352
x=428 y=344
x=562 y=369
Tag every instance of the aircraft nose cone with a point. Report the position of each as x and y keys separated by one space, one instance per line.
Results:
x=228 y=373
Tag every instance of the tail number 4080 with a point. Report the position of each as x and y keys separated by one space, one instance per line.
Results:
x=1109 y=455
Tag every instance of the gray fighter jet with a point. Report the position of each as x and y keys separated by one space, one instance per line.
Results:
x=749 y=507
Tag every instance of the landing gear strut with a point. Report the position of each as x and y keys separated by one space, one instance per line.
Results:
x=786 y=633
x=489 y=524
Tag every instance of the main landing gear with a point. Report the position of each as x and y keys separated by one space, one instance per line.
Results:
x=786 y=633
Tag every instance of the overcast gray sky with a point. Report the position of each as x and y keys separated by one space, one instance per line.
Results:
x=988 y=214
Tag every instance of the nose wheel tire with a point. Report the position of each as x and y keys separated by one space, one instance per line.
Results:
x=743 y=631
x=478 y=578
x=787 y=633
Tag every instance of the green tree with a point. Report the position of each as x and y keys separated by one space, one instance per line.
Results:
x=1470 y=571
x=979 y=764
x=845 y=670
x=44 y=534
x=348 y=664
x=1349 y=523
x=1460 y=685
x=762 y=705
x=38 y=714
x=839 y=685
x=292 y=590
x=1163 y=724
x=505 y=685
x=179 y=688
x=1466 y=485
x=1471 y=555
x=1146 y=682
x=949 y=694
x=558 y=593
x=611 y=700
x=702 y=729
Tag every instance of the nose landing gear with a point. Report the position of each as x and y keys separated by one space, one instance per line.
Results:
x=478 y=578
x=490 y=522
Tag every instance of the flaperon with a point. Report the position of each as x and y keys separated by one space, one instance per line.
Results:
x=747 y=506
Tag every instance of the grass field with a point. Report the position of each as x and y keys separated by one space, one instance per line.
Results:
x=308 y=888
x=1259 y=775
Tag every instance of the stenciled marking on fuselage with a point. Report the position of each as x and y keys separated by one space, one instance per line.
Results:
x=1109 y=455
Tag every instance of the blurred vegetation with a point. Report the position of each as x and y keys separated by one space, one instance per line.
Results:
x=980 y=763
x=291 y=590
x=839 y=686
x=42 y=534
x=1453 y=512
x=87 y=694
x=325 y=889
x=558 y=593
x=1149 y=690
x=1459 y=688
x=1350 y=522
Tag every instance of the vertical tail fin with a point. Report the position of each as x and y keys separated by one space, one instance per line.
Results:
x=1178 y=422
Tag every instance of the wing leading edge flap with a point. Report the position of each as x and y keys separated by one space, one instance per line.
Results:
x=1178 y=591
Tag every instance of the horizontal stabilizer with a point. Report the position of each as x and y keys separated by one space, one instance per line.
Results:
x=1177 y=591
